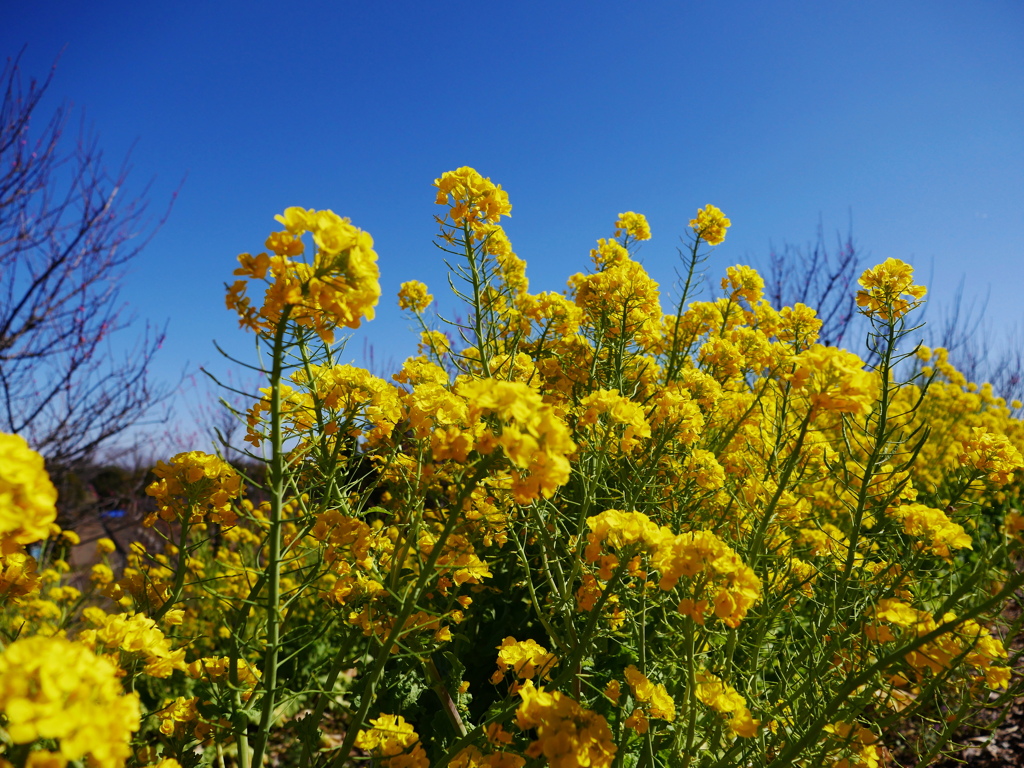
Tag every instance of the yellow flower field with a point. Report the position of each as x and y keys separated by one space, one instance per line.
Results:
x=577 y=529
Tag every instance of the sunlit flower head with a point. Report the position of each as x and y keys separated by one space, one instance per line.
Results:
x=889 y=292
x=710 y=225
x=632 y=225
x=52 y=688
x=27 y=497
x=339 y=288
x=474 y=198
x=413 y=296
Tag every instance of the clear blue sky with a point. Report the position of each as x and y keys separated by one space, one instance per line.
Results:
x=909 y=116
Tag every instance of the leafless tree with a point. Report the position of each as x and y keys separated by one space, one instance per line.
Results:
x=67 y=235
x=974 y=350
x=814 y=276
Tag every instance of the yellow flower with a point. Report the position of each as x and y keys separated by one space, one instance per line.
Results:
x=42 y=758
x=195 y=484
x=710 y=225
x=434 y=341
x=52 y=688
x=617 y=410
x=638 y=721
x=394 y=742
x=177 y=717
x=632 y=225
x=105 y=546
x=18 y=575
x=339 y=288
x=217 y=669
x=475 y=199
x=472 y=757
x=743 y=283
x=620 y=298
x=659 y=704
x=533 y=436
x=722 y=697
x=613 y=691
x=885 y=287
x=992 y=454
x=526 y=659
x=413 y=295
x=933 y=524
x=567 y=735
x=834 y=380
x=27 y=497
x=136 y=636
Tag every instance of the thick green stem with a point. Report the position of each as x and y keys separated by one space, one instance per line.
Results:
x=276 y=479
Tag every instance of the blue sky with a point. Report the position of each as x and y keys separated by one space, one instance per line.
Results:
x=905 y=117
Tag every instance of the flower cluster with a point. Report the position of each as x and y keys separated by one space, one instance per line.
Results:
x=136 y=637
x=525 y=659
x=653 y=698
x=732 y=586
x=567 y=735
x=888 y=290
x=710 y=225
x=52 y=688
x=27 y=497
x=834 y=380
x=969 y=640
x=722 y=697
x=475 y=200
x=990 y=454
x=193 y=486
x=633 y=226
x=700 y=518
x=532 y=436
x=339 y=288
x=393 y=741
x=413 y=296
x=933 y=525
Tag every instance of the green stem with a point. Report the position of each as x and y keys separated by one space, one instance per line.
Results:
x=411 y=599
x=691 y=692
x=829 y=709
x=447 y=702
x=277 y=487
x=179 y=575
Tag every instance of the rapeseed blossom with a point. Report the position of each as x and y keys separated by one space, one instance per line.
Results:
x=633 y=226
x=27 y=497
x=339 y=288
x=941 y=533
x=475 y=199
x=834 y=380
x=621 y=485
x=193 y=485
x=413 y=296
x=710 y=225
x=532 y=436
x=52 y=688
x=135 y=637
x=567 y=735
x=525 y=659
x=991 y=454
x=394 y=742
x=722 y=697
x=654 y=696
x=886 y=288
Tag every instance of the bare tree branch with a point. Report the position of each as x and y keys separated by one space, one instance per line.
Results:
x=67 y=236
x=820 y=279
